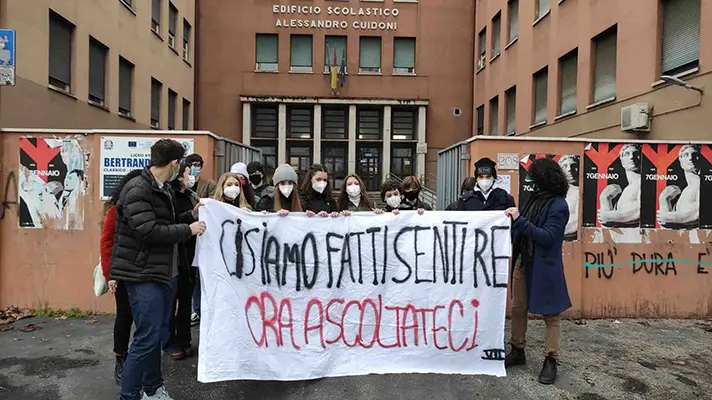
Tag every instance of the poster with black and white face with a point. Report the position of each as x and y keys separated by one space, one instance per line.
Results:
x=705 y=166
x=671 y=186
x=571 y=165
x=612 y=185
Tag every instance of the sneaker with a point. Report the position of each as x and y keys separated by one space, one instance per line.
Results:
x=194 y=319
x=176 y=355
x=161 y=394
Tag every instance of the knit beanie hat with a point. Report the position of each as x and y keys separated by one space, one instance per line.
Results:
x=284 y=173
x=485 y=166
x=239 y=168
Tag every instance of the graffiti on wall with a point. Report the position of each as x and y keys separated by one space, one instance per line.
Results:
x=570 y=163
x=605 y=264
x=52 y=183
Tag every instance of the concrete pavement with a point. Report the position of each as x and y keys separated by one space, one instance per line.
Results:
x=601 y=360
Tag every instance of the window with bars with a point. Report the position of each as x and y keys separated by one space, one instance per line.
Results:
x=300 y=122
x=540 y=79
x=496 y=33
x=172 y=100
x=61 y=33
x=604 y=69
x=264 y=121
x=335 y=122
x=369 y=124
x=568 y=73
x=156 y=16
x=403 y=123
x=542 y=8
x=494 y=116
x=267 y=50
x=156 y=88
x=681 y=36
x=482 y=49
x=186 y=40
x=513 y=15
x=300 y=53
x=335 y=46
x=126 y=69
x=369 y=54
x=480 y=120
x=186 y=115
x=510 y=98
x=403 y=55
x=97 y=71
x=172 y=22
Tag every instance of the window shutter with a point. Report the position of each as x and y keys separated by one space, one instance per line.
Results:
x=172 y=12
x=155 y=100
x=60 y=49
x=681 y=33
x=511 y=99
x=186 y=115
x=301 y=51
x=125 y=78
x=513 y=11
x=369 y=124
x=480 y=120
x=301 y=122
x=543 y=7
x=370 y=53
x=172 y=97
x=605 y=67
x=569 y=70
x=335 y=122
x=404 y=53
x=494 y=116
x=483 y=42
x=540 y=93
x=264 y=121
x=97 y=69
x=496 y=33
x=156 y=11
x=403 y=124
x=267 y=49
x=337 y=43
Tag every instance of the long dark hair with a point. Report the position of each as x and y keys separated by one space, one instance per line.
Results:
x=343 y=200
x=114 y=196
x=306 y=189
x=549 y=177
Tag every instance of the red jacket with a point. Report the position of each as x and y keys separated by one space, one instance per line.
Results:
x=107 y=240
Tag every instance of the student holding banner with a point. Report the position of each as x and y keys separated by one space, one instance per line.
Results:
x=410 y=188
x=392 y=195
x=231 y=190
x=467 y=185
x=484 y=196
x=285 y=199
x=353 y=197
x=538 y=281
x=315 y=193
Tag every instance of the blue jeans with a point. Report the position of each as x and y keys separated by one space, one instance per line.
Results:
x=168 y=329
x=196 y=293
x=150 y=307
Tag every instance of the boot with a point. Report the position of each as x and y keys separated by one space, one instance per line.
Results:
x=548 y=371
x=515 y=357
x=119 y=367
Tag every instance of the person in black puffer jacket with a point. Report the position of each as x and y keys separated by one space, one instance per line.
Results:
x=467 y=185
x=315 y=193
x=485 y=197
x=145 y=258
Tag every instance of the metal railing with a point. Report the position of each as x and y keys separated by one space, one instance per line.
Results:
x=227 y=152
x=452 y=169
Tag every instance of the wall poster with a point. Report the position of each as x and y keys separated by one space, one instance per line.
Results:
x=571 y=165
x=52 y=183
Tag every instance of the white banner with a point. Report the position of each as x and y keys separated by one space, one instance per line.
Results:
x=297 y=297
x=123 y=154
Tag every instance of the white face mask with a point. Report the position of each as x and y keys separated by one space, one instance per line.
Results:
x=231 y=192
x=353 y=190
x=319 y=186
x=485 y=184
x=190 y=182
x=393 y=201
x=286 y=190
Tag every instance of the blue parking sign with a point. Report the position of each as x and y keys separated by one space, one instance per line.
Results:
x=7 y=57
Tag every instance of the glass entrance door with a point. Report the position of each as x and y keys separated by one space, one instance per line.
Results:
x=368 y=165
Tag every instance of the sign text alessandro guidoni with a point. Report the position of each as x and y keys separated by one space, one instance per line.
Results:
x=332 y=17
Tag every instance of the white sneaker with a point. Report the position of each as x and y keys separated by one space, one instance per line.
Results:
x=161 y=394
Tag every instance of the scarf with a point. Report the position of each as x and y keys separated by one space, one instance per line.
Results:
x=523 y=246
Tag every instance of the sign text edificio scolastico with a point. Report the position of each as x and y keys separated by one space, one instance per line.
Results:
x=332 y=17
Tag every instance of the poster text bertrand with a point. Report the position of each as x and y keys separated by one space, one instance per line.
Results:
x=352 y=295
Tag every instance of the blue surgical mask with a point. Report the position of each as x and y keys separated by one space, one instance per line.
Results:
x=194 y=171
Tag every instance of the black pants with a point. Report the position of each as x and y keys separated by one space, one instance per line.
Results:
x=180 y=323
x=123 y=321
